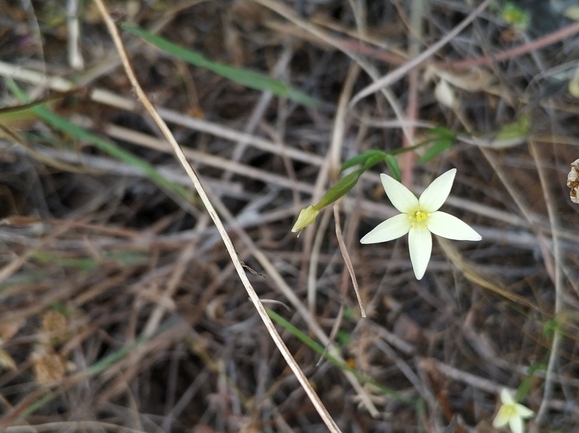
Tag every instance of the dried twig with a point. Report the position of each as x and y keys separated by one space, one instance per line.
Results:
x=217 y=221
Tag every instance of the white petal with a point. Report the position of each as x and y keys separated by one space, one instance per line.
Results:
x=420 y=246
x=437 y=192
x=392 y=228
x=401 y=197
x=506 y=397
x=450 y=227
x=516 y=425
x=444 y=94
x=524 y=411
x=501 y=419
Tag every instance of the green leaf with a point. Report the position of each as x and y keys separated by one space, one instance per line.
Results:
x=340 y=189
x=61 y=308
x=343 y=338
x=519 y=129
x=108 y=361
x=361 y=158
x=345 y=184
x=441 y=132
x=438 y=146
x=550 y=327
x=320 y=350
x=373 y=160
x=525 y=385
x=248 y=78
x=393 y=166
x=89 y=264
x=104 y=145
x=518 y=17
x=572 y=12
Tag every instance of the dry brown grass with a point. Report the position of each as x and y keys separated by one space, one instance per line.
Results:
x=120 y=308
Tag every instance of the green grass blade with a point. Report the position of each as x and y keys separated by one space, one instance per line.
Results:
x=250 y=79
x=439 y=146
x=106 y=146
x=99 y=366
x=361 y=158
x=393 y=166
x=89 y=264
x=320 y=350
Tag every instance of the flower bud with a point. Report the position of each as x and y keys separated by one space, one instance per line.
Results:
x=306 y=217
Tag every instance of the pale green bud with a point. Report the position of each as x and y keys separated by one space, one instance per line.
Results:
x=306 y=217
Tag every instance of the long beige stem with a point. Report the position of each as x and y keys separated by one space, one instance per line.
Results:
x=216 y=220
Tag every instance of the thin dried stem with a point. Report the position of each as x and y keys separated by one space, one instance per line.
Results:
x=558 y=279
x=330 y=423
x=398 y=73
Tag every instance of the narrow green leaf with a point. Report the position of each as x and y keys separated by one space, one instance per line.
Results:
x=320 y=350
x=572 y=12
x=373 y=160
x=393 y=166
x=550 y=327
x=98 y=367
x=515 y=15
x=441 y=132
x=438 y=146
x=106 y=146
x=343 y=338
x=345 y=184
x=339 y=189
x=248 y=78
x=525 y=386
x=360 y=159
x=518 y=129
x=89 y=264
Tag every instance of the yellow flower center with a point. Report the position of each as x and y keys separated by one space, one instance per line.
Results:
x=418 y=218
x=509 y=410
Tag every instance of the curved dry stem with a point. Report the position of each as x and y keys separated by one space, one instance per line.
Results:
x=112 y=28
x=368 y=67
x=558 y=279
x=396 y=74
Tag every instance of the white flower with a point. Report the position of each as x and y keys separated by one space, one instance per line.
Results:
x=511 y=413
x=419 y=218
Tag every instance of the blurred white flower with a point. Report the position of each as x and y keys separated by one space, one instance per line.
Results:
x=419 y=218
x=445 y=95
x=511 y=413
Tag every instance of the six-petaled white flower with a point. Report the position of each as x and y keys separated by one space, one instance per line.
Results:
x=419 y=218
x=511 y=413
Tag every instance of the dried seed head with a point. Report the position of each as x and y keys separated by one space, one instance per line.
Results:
x=54 y=321
x=6 y=361
x=48 y=365
x=9 y=329
x=55 y=324
x=573 y=181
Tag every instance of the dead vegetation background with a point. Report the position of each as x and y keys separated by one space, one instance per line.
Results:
x=120 y=309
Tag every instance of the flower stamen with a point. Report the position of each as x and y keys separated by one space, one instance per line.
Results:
x=418 y=218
